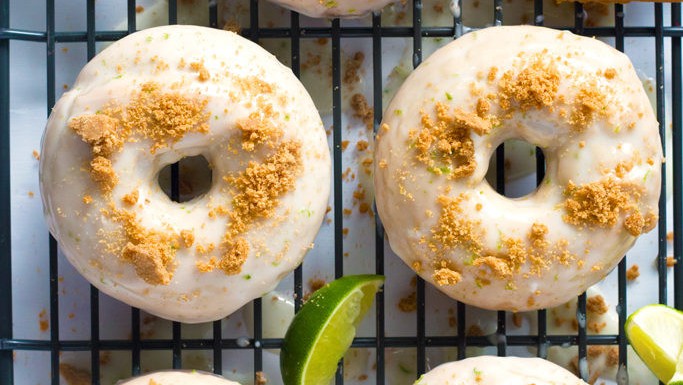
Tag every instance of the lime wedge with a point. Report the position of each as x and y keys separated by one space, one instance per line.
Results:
x=656 y=334
x=324 y=328
x=677 y=378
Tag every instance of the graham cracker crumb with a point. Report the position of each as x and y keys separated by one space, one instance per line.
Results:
x=517 y=320
x=257 y=129
x=87 y=199
x=43 y=322
x=491 y=77
x=261 y=378
x=188 y=237
x=232 y=260
x=610 y=73
x=139 y=9
x=315 y=284
x=670 y=236
x=449 y=138
x=634 y=223
x=537 y=235
x=446 y=277
x=99 y=131
x=152 y=262
x=454 y=229
x=534 y=87
x=102 y=173
x=596 y=305
x=633 y=273
x=670 y=261
x=408 y=304
x=30 y=194
x=474 y=331
x=353 y=67
x=344 y=145
x=362 y=145
x=131 y=198
x=73 y=375
x=588 y=103
x=201 y=70
x=598 y=203
x=36 y=155
x=362 y=110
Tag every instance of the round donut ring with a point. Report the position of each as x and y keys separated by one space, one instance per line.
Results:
x=149 y=100
x=491 y=370
x=577 y=99
x=349 y=9
x=178 y=377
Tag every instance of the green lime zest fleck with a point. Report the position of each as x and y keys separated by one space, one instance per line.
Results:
x=247 y=277
x=148 y=39
x=398 y=112
x=404 y=369
x=165 y=36
x=449 y=96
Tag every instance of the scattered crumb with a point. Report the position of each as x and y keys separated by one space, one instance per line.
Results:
x=596 y=305
x=314 y=284
x=362 y=145
x=633 y=272
x=36 y=155
x=261 y=378
x=43 y=322
x=517 y=319
x=139 y=9
x=30 y=194
x=188 y=237
x=345 y=231
x=474 y=331
x=670 y=236
x=73 y=375
x=408 y=304
x=362 y=110
x=131 y=198
x=353 y=68
x=87 y=199
x=203 y=73
x=344 y=145
x=670 y=261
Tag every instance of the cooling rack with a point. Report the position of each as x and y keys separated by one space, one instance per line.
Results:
x=660 y=31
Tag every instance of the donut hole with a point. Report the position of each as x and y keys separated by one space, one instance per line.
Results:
x=516 y=171
x=193 y=179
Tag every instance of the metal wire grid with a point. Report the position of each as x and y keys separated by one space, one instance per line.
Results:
x=336 y=32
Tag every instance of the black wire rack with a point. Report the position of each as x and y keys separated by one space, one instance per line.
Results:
x=662 y=33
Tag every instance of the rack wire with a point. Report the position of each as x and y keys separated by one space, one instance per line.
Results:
x=336 y=32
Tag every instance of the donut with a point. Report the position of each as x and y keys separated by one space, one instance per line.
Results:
x=577 y=99
x=178 y=377
x=162 y=95
x=484 y=370
x=334 y=8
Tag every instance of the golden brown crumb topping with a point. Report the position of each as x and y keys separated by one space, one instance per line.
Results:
x=534 y=87
x=598 y=203
x=610 y=73
x=446 y=277
x=588 y=103
x=203 y=73
x=634 y=223
x=87 y=199
x=408 y=304
x=131 y=198
x=258 y=129
x=633 y=272
x=99 y=131
x=188 y=237
x=234 y=257
x=537 y=235
x=152 y=262
x=102 y=173
x=445 y=145
x=454 y=228
x=260 y=184
x=353 y=68
x=362 y=145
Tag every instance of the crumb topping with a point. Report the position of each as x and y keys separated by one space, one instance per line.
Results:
x=188 y=237
x=258 y=129
x=633 y=272
x=99 y=131
x=446 y=277
x=445 y=145
x=610 y=73
x=87 y=199
x=102 y=173
x=408 y=304
x=131 y=198
x=353 y=68
x=537 y=235
x=203 y=73
x=453 y=228
x=600 y=203
x=534 y=87
x=152 y=262
x=588 y=103
x=236 y=254
x=596 y=305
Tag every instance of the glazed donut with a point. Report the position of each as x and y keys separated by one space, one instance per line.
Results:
x=576 y=98
x=334 y=8
x=484 y=370
x=149 y=100
x=178 y=377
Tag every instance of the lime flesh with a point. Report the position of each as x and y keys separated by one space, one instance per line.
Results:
x=656 y=334
x=322 y=331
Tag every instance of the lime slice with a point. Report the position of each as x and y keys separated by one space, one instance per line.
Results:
x=677 y=378
x=324 y=328
x=656 y=334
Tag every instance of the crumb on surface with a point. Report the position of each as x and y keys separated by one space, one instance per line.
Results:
x=73 y=375
x=633 y=272
x=344 y=145
x=598 y=203
x=362 y=110
x=446 y=277
x=203 y=73
x=353 y=68
x=102 y=173
x=36 y=155
x=131 y=198
x=139 y=9
x=188 y=237
x=408 y=304
x=30 y=194
x=670 y=261
x=261 y=378
x=43 y=322
x=596 y=305
x=362 y=145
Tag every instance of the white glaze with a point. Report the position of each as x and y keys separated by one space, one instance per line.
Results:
x=178 y=377
x=440 y=79
x=191 y=296
x=485 y=370
x=334 y=8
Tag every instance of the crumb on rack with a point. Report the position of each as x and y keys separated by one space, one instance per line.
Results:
x=633 y=272
x=73 y=375
x=345 y=231
x=131 y=198
x=43 y=322
x=353 y=68
x=344 y=145
x=517 y=320
x=139 y=9
x=408 y=304
x=362 y=145
x=188 y=237
x=36 y=155
x=362 y=110
x=670 y=261
x=670 y=236
x=261 y=378
x=474 y=331
x=596 y=305
x=203 y=73
x=30 y=194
